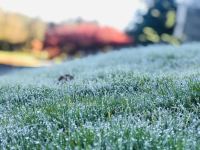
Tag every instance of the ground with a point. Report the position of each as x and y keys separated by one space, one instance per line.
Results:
x=135 y=98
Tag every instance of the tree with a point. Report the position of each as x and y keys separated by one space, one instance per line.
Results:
x=19 y=31
x=157 y=25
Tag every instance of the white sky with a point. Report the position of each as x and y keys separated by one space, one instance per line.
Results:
x=117 y=13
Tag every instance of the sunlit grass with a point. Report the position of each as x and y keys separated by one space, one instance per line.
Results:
x=21 y=59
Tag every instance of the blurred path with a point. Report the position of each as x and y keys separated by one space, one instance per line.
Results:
x=4 y=69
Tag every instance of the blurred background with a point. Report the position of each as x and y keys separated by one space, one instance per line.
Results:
x=38 y=33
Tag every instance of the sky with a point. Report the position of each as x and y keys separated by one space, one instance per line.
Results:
x=116 y=13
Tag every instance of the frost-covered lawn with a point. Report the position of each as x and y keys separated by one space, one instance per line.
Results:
x=144 y=98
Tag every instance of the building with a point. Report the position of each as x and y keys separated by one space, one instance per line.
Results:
x=188 y=20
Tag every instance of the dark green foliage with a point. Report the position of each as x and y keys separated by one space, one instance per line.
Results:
x=157 y=24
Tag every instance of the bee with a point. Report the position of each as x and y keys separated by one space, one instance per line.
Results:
x=66 y=77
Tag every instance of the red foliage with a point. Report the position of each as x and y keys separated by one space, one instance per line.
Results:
x=86 y=37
